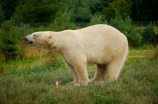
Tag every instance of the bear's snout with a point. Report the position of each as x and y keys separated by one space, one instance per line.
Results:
x=28 y=42
x=26 y=39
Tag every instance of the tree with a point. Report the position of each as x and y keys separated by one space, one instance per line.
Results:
x=37 y=11
x=145 y=10
x=149 y=34
x=8 y=8
x=83 y=10
x=123 y=6
x=96 y=19
x=2 y=17
x=62 y=21
x=9 y=41
x=98 y=6
x=125 y=26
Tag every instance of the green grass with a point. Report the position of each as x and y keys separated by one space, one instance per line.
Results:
x=137 y=84
x=19 y=65
x=30 y=63
x=141 y=53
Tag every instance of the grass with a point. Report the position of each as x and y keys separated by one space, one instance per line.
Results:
x=30 y=63
x=31 y=51
x=143 y=47
x=137 y=84
x=142 y=53
x=33 y=57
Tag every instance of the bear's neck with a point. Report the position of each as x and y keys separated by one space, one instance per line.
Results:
x=56 y=46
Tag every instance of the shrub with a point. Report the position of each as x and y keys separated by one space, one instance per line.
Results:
x=96 y=19
x=2 y=16
x=41 y=28
x=9 y=41
x=123 y=6
x=133 y=36
x=148 y=34
x=37 y=11
x=23 y=30
x=62 y=21
x=155 y=56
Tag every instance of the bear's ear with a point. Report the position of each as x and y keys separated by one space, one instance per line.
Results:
x=49 y=39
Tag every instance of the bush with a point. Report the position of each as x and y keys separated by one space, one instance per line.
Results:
x=155 y=56
x=125 y=26
x=96 y=19
x=62 y=21
x=148 y=34
x=37 y=11
x=9 y=41
x=123 y=6
x=23 y=30
x=41 y=28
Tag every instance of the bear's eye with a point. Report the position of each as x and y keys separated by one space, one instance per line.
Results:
x=34 y=35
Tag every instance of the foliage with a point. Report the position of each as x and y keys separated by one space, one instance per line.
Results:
x=125 y=26
x=2 y=17
x=144 y=10
x=23 y=30
x=143 y=47
x=123 y=6
x=8 y=8
x=37 y=11
x=81 y=9
x=9 y=41
x=155 y=56
x=148 y=34
x=62 y=21
x=41 y=28
x=96 y=19
x=98 y=6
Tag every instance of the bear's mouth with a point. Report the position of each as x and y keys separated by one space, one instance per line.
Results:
x=28 y=42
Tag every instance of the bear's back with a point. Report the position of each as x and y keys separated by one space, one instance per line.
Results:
x=100 y=29
x=102 y=42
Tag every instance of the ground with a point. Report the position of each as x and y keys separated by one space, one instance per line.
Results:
x=36 y=84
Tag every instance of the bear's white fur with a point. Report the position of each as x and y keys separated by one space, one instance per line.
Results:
x=100 y=44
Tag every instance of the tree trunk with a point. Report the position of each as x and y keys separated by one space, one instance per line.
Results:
x=6 y=55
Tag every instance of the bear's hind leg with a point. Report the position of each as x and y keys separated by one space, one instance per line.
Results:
x=100 y=73
x=113 y=70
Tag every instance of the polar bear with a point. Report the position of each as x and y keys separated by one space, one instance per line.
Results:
x=100 y=44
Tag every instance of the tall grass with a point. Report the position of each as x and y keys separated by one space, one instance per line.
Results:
x=32 y=52
x=33 y=57
x=155 y=55
x=27 y=52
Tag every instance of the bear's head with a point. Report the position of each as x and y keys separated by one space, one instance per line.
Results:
x=38 y=39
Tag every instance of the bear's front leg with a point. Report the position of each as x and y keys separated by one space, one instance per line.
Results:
x=82 y=73
x=72 y=70
x=77 y=63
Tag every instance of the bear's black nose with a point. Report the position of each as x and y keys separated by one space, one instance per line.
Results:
x=26 y=39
